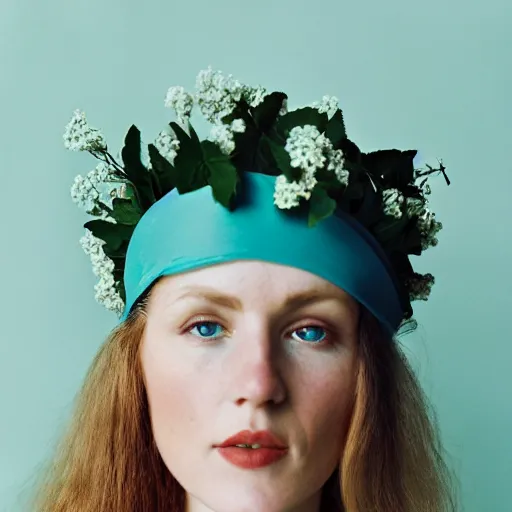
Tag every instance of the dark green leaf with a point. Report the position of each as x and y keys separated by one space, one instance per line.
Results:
x=370 y=209
x=351 y=151
x=411 y=242
x=389 y=228
x=300 y=117
x=113 y=234
x=126 y=211
x=244 y=156
x=335 y=129
x=118 y=255
x=265 y=161
x=267 y=112
x=222 y=175
x=393 y=166
x=164 y=170
x=135 y=170
x=191 y=172
x=321 y=206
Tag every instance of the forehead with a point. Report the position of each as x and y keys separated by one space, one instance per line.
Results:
x=249 y=282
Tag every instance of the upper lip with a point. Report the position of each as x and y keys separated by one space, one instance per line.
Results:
x=264 y=438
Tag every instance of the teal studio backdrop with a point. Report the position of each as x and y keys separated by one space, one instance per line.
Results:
x=434 y=76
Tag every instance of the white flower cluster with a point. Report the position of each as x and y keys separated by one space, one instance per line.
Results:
x=79 y=136
x=181 y=101
x=216 y=94
x=420 y=286
x=393 y=199
x=223 y=135
x=428 y=226
x=85 y=191
x=167 y=144
x=287 y=193
x=103 y=267
x=309 y=150
x=329 y=105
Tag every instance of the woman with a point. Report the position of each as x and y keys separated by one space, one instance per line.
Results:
x=253 y=325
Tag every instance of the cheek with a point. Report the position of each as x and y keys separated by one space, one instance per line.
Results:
x=326 y=400
x=174 y=392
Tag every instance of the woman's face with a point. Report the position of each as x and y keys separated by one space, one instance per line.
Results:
x=224 y=351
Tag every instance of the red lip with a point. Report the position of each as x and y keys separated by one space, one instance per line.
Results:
x=247 y=458
x=265 y=438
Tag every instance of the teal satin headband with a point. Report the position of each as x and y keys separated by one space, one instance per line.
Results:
x=190 y=231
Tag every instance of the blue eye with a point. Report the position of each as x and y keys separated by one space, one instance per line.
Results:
x=210 y=330
x=314 y=330
x=205 y=328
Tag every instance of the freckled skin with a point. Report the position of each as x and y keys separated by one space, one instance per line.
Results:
x=258 y=374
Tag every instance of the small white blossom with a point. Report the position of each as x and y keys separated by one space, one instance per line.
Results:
x=414 y=206
x=167 y=145
x=103 y=267
x=420 y=286
x=429 y=227
x=216 y=95
x=284 y=108
x=306 y=147
x=287 y=193
x=181 y=101
x=254 y=95
x=392 y=202
x=213 y=97
x=102 y=173
x=107 y=295
x=336 y=163
x=87 y=191
x=329 y=105
x=79 y=136
x=238 y=126
x=223 y=137
x=83 y=193
x=309 y=150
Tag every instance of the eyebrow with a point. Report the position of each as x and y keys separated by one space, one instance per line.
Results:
x=293 y=301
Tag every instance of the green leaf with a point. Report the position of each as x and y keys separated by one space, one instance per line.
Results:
x=394 y=167
x=370 y=208
x=411 y=242
x=389 y=228
x=191 y=172
x=244 y=157
x=283 y=161
x=135 y=170
x=222 y=176
x=300 y=117
x=335 y=130
x=265 y=162
x=118 y=255
x=351 y=151
x=113 y=234
x=164 y=170
x=267 y=112
x=126 y=211
x=321 y=206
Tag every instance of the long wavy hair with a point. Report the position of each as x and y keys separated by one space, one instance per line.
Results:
x=107 y=459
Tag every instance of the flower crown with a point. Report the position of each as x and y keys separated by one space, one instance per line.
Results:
x=316 y=164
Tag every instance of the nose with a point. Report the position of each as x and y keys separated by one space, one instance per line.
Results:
x=256 y=370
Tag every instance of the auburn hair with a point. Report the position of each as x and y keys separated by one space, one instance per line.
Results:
x=107 y=459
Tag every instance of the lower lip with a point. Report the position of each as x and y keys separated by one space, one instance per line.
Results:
x=248 y=458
